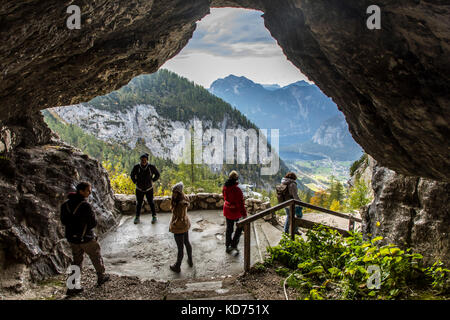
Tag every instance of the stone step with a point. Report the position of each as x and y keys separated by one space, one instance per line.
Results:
x=204 y=289
x=243 y=296
x=267 y=236
x=260 y=240
x=272 y=234
x=200 y=286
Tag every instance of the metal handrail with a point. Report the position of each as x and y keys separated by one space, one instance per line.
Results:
x=245 y=223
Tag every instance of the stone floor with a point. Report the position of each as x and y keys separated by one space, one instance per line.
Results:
x=146 y=250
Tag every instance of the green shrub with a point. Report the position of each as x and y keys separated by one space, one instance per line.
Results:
x=327 y=259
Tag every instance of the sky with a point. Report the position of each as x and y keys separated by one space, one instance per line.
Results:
x=233 y=41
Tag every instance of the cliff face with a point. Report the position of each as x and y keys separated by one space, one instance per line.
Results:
x=35 y=178
x=412 y=212
x=138 y=122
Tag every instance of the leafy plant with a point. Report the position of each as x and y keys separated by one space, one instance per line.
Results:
x=326 y=257
x=440 y=276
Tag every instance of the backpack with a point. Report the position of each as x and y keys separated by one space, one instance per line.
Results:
x=282 y=192
x=70 y=217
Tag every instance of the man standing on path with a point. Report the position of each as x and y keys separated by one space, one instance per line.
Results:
x=143 y=176
x=79 y=221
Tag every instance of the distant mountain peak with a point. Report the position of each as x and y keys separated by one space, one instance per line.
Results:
x=297 y=110
x=301 y=83
x=235 y=82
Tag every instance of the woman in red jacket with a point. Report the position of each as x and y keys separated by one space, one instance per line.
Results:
x=233 y=210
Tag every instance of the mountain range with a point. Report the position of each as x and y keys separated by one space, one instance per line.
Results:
x=311 y=125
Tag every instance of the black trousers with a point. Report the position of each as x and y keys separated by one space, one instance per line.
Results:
x=230 y=239
x=182 y=239
x=140 y=199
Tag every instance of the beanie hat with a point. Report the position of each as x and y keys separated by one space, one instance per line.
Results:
x=178 y=187
x=145 y=155
x=233 y=175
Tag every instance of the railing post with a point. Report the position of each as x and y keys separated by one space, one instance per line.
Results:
x=247 y=247
x=351 y=224
x=291 y=220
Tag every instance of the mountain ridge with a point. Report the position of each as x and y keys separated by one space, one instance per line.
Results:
x=305 y=116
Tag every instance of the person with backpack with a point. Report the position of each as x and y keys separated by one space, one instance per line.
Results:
x=79 y=221
x=285 y=191
x=143 y=176
x=180 y=225
x=233 y=210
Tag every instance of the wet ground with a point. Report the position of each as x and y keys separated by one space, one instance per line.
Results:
x=147 y=250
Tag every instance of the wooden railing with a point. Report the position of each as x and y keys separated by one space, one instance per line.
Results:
x=245 y=223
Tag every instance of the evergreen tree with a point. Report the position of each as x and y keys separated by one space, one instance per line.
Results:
x=359 y=195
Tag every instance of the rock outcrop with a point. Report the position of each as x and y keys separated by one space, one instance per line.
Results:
x=364 y=173
x=410 y=212
x=35 y=177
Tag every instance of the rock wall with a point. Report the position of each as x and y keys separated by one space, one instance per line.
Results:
x=364 y=173
x=36 y=175
x=126 y=204
x=410 y=212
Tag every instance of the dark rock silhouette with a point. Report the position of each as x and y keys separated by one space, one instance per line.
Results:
x=35 y=178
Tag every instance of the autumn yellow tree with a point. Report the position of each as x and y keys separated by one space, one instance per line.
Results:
x=335 y=205
x=120 y=181
x=320 y=199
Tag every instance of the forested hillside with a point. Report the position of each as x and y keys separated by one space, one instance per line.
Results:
x=119 y=160
x=174 y=97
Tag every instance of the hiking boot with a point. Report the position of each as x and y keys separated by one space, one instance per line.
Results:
x=175 y=268
x=102 y=279
x=154 y=219
x=190 y=262
x=72 y=292
x=228 y=249
x=137 y=220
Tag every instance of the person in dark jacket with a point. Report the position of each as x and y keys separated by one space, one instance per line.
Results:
x=290 y=179
x=143 y=176
x=233 y=210
x=79 y=221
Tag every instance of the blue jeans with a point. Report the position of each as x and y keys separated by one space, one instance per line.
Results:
x=287 y=224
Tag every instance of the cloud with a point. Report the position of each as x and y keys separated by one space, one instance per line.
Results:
x=233 y=41
x=233 y=33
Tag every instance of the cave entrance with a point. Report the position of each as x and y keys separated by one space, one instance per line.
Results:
x=233 y=56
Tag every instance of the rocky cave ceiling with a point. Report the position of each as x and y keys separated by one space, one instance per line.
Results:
x=392 y=84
